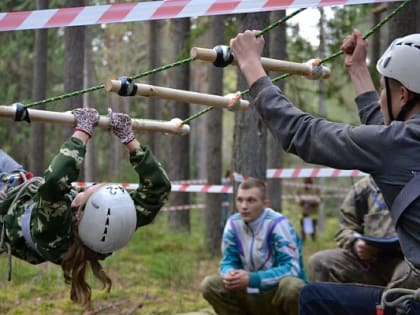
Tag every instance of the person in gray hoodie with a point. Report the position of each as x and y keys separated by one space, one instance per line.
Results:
x=386 y=144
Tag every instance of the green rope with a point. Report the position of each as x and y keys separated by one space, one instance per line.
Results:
x=187 y=120
x=334 y=55
x=373 y=29
x=172 y=65
x=263 y=31
x=150 y=72
x=278 y=22
x=67 y=95
x=98 y=87
x=370 y=32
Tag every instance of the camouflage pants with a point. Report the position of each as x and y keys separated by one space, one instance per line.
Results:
x=282 y=300
x=340 y=265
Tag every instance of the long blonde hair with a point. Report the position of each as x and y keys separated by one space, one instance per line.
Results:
x=74 y=265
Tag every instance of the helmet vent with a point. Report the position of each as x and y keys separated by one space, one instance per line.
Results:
x=106 y=225
x=410 y=44
x=386 y=62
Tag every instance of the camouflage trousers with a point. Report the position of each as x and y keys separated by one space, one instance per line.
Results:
x=282 y=300
x=340 y=265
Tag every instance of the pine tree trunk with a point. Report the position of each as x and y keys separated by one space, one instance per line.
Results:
x=88 y=101
x=36 y=163
x=405 y=22
x=250 y=134
x=180 y=145
x=212 y=211
x=74 y=40
x=274 y=150
x=155 y=104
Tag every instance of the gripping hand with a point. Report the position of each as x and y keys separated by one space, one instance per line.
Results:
x=121 y=126
x=86 y=119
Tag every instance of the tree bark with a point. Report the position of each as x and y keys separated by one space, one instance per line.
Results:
x=88 y=101
x=180 y=146
x=36 y=162
x=212 y=211
x=403 y=23
x=74 y=41
x=274 y=150
x=155 y=60
x=250 y=133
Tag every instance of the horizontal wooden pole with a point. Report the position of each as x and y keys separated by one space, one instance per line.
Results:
x=310 y=70
x=173 y=126
x=230 y=101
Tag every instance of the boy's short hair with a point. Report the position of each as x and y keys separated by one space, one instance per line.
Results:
x=254 y=183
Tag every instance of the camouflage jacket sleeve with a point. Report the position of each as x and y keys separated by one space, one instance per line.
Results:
x=63 y=170
x=154 y=185
x=353 y=209
x=51 y=218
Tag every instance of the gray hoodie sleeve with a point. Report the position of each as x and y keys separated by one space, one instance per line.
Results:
x=317 y=140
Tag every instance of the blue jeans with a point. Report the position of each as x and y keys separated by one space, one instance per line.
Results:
x=7 y=166
x=324 y=298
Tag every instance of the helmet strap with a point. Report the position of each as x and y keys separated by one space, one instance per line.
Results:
x=388 y=99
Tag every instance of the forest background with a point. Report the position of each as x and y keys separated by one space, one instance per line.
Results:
x=159 y=272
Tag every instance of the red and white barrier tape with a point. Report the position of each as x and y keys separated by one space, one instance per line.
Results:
x=185 y=186
x=202 y=206
x=151 y=10
x=183 y=207
x=312 y=172
x=190 y=181
x=304 y=172
x=216 y=189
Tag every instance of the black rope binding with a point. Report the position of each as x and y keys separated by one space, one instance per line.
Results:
x=21 y=112
x=128 y=87
x=224 y=56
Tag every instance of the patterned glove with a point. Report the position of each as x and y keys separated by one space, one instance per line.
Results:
x=121 y=126
x=86 y=119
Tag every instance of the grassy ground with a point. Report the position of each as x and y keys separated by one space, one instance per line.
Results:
x=157 y=273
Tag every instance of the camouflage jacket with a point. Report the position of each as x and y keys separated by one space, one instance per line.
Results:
x=52 y=216
x=363 y=211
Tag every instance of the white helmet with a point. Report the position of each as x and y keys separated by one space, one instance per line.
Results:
x=109 y=219
x=401 y=61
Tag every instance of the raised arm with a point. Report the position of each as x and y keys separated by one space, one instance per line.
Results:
x=247 y=49
x=355 y=50
x=65 y=166
x=154 y=184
